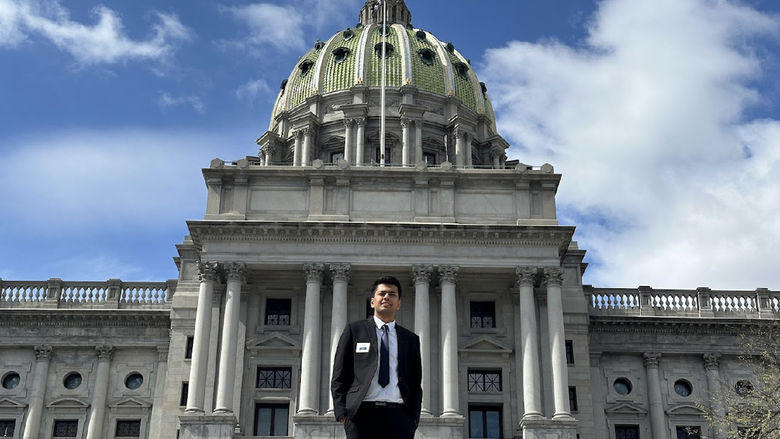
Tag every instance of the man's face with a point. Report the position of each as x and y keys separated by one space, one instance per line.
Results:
x=386 y=302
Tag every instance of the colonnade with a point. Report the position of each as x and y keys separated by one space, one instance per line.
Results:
x=310 y=385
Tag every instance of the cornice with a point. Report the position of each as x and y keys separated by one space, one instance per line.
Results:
x=44 y=318
x=384 y=233
x=670 y=325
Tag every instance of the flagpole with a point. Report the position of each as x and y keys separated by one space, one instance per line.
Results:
x=382 y=99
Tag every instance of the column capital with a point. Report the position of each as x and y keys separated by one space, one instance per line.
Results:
x=526 y=276
x=711 y=361
x=553 y=276
x=305 y=130
x=104 y=351
x=235 y=270
x=349 y=122
x=314 y=271
x=449 y=273
x=651 y=359
x=162 y=353
x=207 y=271
x=422 y=273
x=42 y=352
x=340 y=272
x=405 y=122
x=360 y=121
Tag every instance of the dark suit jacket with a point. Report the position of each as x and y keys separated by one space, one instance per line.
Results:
x=352 y=372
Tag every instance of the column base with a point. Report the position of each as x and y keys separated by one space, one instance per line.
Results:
x=548 y=428
x=214 y=426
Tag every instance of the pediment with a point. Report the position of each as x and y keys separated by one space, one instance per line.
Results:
x=6 y=403
x=273 y=341
x=68 y=403
x=130 y=403
x=684 y=409
x=485 y=344
x=625 y=408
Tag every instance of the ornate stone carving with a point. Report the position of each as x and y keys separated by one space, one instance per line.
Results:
x=422 y=273
x=651 y=359
x=553 y=276
x=42 y=352
x=406 y=122
x=449 y=273
x=104 y=351
x=162 y=354
x=526 y=276
x=348 y=123
x=340 y=272
x=711 y=361
x=235 y=270
x=313 y=272
x=207 y=271
x=361 y=122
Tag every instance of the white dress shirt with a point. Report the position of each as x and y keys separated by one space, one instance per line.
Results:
x=391 y=392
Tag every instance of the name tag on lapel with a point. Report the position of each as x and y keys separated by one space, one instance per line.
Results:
x=362 y=348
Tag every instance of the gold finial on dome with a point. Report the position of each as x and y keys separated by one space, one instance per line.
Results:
x=397 y=12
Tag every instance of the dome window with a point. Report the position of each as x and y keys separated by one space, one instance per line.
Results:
x=421 y=35
x=427 y=56
x=384 y=30
x=305 y=66
x=388 y=50
x=450 y=48
x=319 y=45
x=340 y=54
x=348 y=34
x=461 y=68
x=283 y=85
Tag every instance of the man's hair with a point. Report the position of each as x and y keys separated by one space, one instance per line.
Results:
x=387 y=280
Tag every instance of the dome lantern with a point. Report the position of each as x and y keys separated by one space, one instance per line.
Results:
x=397 y=12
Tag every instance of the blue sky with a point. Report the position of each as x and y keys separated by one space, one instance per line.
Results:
x=662 y=116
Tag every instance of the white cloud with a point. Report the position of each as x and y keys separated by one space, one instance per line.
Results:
x=249 y=90
x=104 y=42
x=267 y=24
x=645 y=120
x=166 y=99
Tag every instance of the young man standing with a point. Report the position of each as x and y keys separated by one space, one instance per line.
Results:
x=377 y=371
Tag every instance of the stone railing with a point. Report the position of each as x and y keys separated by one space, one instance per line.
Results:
x=111 y=294
x=701 y=302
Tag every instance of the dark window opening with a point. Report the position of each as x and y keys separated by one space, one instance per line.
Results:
x=622 y=386
x=427 y=56
x=277 y=312
x=683 y=388
x=388 y=50
x=387 y=154
x=626 y=432
x=305 y=66
x=128 y=428
x=336 y=156
x=421 y=35
x=271 y=419
x=340 y=54
x=689 y=432
x=573 y=399
x=429 y=158
x=743 y=387
x=11 y=380
x=7 y=427
x=569 y=352
x=185 y=391
x=67 y=428
x=484 y=380
x=461 y=68
x=274 y=377
x=72 y=380
x=483 y=314
x=348 y=34
x=134 y=381
x=189 y=347
x=485 y=422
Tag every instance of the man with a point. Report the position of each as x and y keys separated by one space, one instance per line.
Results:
x=377 y=371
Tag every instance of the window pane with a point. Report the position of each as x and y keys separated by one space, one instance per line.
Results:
x=483 y=314
x=626 y=432
x=128 y=428
x=493 y=423
x=475 y=423
x=66 y=428
x=277 y=312
x=280 y=421
x=263 y=422
x=7 y=428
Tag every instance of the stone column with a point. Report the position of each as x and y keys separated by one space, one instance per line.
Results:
x=421 y=274
x=32 y=426
x=309 y=395
x=348 y=123
x=560 y=373
x=97 y=414
x=200 y=348
x=306 y=155
x=338 y=318
x=449 y=342
x=406 y=146
x=657 y=421
x=418 y=151
x=460 y=159
x=361 y=141
x=297 y=149
x=529 y=344
x=156 y=422
x=712 y=368
x=226 y=380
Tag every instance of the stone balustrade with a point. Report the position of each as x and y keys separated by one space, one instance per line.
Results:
x=113 y=293
x=701 y=302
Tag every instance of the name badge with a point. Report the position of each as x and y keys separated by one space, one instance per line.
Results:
x=362 y=348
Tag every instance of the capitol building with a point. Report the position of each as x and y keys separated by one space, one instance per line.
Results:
x=343 y=189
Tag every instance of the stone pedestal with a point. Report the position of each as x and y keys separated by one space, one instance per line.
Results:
x=547 y=429
x=326 y=427
x=441 y=428
x=207 y=426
